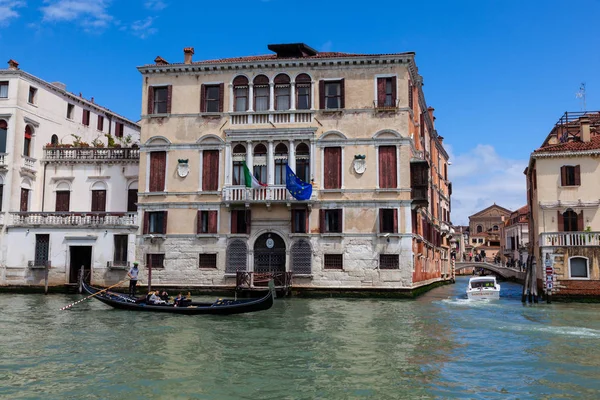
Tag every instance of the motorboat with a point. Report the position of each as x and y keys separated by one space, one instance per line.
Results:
x=483 y=288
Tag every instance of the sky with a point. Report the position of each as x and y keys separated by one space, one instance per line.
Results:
x=498 y=73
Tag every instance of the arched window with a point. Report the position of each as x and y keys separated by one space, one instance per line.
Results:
x=569 y=218
x=27 y=141
x=3 y=134
x=99 y=196
x=25 y=194
x=301 y=257
x=495 y=228
x=259 y=160
x=54 y=140
x=578 y=267
x=240 y=93
x=303 y=162
x=261 y=93
x=132 y=196
x=281 y=159
x=236 y=257
x=479 y=228
x=303 y=98
x=282 y=92
x=239 y=157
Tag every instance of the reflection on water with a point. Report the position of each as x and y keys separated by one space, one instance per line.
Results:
x=438 y=346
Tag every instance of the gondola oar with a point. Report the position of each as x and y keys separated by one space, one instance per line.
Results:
x=92 y=295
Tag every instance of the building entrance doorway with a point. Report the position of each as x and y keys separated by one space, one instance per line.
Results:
x=80 y=256
x=269 y=257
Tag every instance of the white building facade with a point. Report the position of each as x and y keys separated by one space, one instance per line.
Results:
x=69 y=171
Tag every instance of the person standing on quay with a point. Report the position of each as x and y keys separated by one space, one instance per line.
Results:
x=133 y=278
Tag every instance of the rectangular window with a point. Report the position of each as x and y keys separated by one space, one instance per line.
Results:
x=160 y=100
x=32 y=95
x=388 y=220
x=333 y=261
x=241 y=98
x=3 y=89
x=63 y=198
x=303 y=96
x=207 y=261
x=85 y=119
x=158 y=164
x=24 y=200
x=119 y=127
x=386 y=92
x=1 y=195
x=154 y=260
x=240 y=221
x=210 y=170
x=411 y=103
x=300 y=221
x=387 y=167
x=212 y=98
x=207 y=221
x=570 y=175
x=333 y=168
x=70 y=111
x=333 y=95
x=100 y=125
x=261 y=98
x=98 y=200
x=389 y=261
x=282 y=97
x=27 y=145
x=155 y=222
x=132 y=200
x=120 y=257
x=42 y=249
x=331 y=221
x=579 y=267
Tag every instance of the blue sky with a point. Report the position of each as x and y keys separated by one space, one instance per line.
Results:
x=498 y=73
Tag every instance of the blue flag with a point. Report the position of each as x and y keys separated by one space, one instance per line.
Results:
x=298 y=188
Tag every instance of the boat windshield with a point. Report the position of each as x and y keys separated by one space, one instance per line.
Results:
x=479 y=284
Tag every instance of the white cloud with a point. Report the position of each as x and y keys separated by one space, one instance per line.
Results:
x=155 y=5
x=481 y=177
x=143 y=28
x=327 y=46
x=8 y=10
x=91 y=14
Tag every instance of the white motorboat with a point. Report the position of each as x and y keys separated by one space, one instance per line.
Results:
x=483 y=288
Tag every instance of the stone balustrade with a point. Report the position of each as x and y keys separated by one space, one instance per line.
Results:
x=56 y=154
x=565 y=239
x=74 y=219
x=243 y=194
x=275 y=117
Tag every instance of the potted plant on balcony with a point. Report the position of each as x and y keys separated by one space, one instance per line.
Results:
x=98 y=143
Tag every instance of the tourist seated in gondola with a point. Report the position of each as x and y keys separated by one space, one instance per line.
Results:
x=178 y=300
x=164 y=295
x=155 y=298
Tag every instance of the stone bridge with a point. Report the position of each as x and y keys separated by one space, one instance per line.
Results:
x=504 y=272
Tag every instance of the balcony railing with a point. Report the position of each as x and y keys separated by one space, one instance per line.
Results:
x=275 y=117
x=3 y=160
x=28 y=163
x=87 y=219
x=90 y=153
x=243 y=194
x=388 y=105
x=563 y=239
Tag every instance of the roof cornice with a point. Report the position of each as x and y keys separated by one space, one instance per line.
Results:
x=571 y=153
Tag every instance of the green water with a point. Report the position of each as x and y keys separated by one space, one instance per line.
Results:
x=439 y=346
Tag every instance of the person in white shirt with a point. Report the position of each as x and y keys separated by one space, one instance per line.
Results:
x=133 y=278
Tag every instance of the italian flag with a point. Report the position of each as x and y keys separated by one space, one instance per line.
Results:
x=251 y=181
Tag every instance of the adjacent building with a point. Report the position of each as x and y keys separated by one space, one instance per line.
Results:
x=484 y=230
x=564 y=198
x=68 y=184
x=515 y=238
x=217 y=136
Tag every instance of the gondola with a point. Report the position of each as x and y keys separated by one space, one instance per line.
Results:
x=219 y=307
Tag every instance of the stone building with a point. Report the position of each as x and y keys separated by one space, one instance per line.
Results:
x=484 y=230
x=564 y=197
x=515 y=237
x=354 y=126
x=68 y=183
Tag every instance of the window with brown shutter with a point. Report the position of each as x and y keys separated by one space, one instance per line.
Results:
x=332 y=168
x=24 y=200
x=386 y=92
x=388 y=220
x=212 y=98
x=332 y=94
x=570 y=175
x=155 y=222
x=119 y=128
x=158 y=99
x=300 y=220
x=210 y=170
x=570 y=221
x=85 y=119
x=132 y=200
x=387 y=167
x=207 y=221
x=411 y=103
x=240 y=221
x=158 y=161
x=155 y=260
x=100 y=125
x=331 y=221
x=98 y=200
x=62 y=200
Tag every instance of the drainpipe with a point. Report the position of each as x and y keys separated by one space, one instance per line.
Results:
x=44 y=186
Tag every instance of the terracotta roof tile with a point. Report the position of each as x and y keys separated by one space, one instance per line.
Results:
x=593 y=144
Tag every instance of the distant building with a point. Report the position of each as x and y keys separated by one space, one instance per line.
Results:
x=484 y=230
x=68 y=183
x=564 y=197
x=217 y=136
x=515 y=237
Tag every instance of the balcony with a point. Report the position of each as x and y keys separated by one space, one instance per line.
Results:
x=567 y=239
x=75 y=219
x=386 y=106
x=272 y=117
x=28 y=163
x=3 y=160
x=269 y=194
x=84 y=154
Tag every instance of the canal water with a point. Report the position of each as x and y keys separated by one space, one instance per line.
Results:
x=438 y=346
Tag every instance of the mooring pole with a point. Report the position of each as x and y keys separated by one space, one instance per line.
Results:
x=46 y=278
x=534 y=286
x=81 y=279
x=526 y=283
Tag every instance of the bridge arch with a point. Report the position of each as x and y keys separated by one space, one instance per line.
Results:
x=504 y=272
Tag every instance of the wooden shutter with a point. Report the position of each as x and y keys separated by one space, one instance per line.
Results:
x=63 y=200
x=561 y=222
x=202 y=98
x=150 y=99
x=381 y=92
x=158 y=161
x=322 y=221
x=563 y=175
x=342 y=94
x=165 y=215
x=387 y=167
x=221 y=96
x=132 y=200
x=394 y=94
x=322 y=94
x=306 y=226
x=199 y=221
x=98 y=200
x=580 y=221
x=333 y=168
x=169 y=97
x=210 y=170
x=24 y=199
x=212 y=221
x=577 y=175
x=413 y=216
x=248 y=221
x=146 y=223
x=293 y=214
x=340 y=215
x=395 y=220
x=85 y=117
x=234 y=215
x=381 y=220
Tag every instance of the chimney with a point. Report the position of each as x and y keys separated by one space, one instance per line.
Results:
x=12 y=64
x=60 y=85
x=160 y=61
x=92 y=100
x=584 y=123
x=188 y=52
x=441 y=139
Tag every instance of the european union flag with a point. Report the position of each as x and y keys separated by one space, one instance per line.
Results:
x=298 y=188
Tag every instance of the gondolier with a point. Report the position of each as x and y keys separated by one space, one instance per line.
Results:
x=133 y=278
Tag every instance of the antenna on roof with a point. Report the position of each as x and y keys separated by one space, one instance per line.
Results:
x=581 y=96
